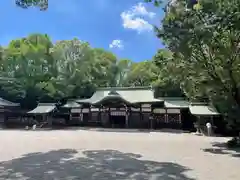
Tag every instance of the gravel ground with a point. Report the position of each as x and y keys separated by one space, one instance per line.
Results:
x=96 y=155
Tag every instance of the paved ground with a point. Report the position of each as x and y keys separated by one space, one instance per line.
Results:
x=97 y=155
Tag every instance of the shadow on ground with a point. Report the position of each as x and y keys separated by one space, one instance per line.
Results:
x=221 y=148
x=92 y=165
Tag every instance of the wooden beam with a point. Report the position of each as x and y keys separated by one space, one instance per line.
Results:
x=166 y=115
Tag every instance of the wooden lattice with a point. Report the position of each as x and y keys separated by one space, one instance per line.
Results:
x=159 y=117
x=174 y=118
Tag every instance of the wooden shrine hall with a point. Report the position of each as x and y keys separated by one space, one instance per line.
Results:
x=131 y=107
x=126 y=107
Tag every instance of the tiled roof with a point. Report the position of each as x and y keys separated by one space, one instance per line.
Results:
x=203 y=110
x=43 y=108
x=127 y=94
x=4 y=102
x=182 y=104
x=71 y=104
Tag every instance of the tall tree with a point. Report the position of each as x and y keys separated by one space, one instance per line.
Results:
x=124 y=68
x=204 y=37
x=144 y=73
x=27 y=61
x=73 y=65
x=167 y=83
x=104 y=69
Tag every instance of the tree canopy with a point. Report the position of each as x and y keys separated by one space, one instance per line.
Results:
x=42 y=4
x=203 y=38
x=35 y=69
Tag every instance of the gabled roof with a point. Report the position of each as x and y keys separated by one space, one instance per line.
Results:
x=175 y=102
x=84 y=100
x=71 y=104
x=127 y=94
x=199 y=109
x=43 y=108
x=4 y=102
x=111 y=98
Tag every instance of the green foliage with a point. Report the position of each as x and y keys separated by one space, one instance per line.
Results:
x=34 y=69
x=42 y=4
x=203 y=38
x=156 y=2
x=142 y=74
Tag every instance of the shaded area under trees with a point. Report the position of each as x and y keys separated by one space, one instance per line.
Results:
x=98 y=164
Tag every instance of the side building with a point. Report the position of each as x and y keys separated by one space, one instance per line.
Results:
x=8 y=111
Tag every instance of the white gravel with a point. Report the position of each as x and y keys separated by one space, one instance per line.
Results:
x=97 y=155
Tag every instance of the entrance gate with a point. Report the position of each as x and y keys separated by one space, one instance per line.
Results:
x=117 y=119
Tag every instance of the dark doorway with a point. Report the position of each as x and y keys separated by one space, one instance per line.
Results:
x=188 y=120
x=117 y=121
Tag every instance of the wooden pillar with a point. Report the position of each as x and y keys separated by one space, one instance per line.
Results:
x=49 y=120
x=129 y=115
x=151 y=118
x=81 y=114
x=212 y=129
x=126 y=118
x=70 y=115
x=99 y=116
x=151 y=122
x=212 y=120
x=141 y=115
x=166 y=115
x=90 y=113
x=198 y=124
x=180 y=118
x=109 y=117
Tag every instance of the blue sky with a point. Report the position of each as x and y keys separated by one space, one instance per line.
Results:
x=120 y=26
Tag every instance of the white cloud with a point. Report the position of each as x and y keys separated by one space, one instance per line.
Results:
x=134 y=18
x=140 y=9
x=117 y=43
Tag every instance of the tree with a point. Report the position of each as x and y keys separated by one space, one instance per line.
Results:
x=35 y=69
x=167 y=84
x=144 y=73
x=73 y=64
x=27 y=61
x=156 y=2
x=105 y=68
x=204 y=38
x=42 y=4
x=124 y=68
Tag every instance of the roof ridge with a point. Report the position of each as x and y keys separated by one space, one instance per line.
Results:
x=126 y=88
x=173 y=98
x=199 y=104
x=10 y=103
x=46 y=104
